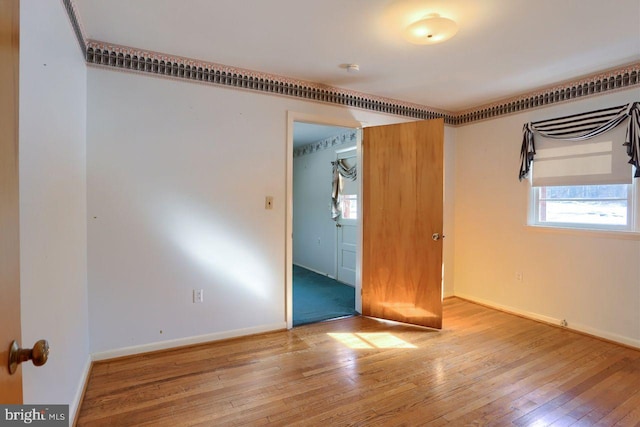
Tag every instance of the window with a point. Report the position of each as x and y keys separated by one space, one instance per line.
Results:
x=583 y=184
x=590 y=206
x=349 y=206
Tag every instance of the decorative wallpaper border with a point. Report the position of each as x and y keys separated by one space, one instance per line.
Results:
x=323 y=144
x=596 y=84
x=70 y=6
x=127 y=58
x=124 y=58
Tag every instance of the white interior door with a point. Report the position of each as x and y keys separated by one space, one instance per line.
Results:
x=347 y=224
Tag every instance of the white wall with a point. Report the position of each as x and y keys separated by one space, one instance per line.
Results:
x=177 y=176
x=53 y=202
x=314 y=232
x=591 y=280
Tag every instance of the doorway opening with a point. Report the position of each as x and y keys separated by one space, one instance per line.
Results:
x=322 y=256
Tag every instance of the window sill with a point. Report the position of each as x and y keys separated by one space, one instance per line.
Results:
x=606 y=234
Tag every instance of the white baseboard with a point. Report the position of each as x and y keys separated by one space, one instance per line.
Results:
x=180 y=342
x=75 y=404
x=551 y=320
x=315 y=271
x=605 y=335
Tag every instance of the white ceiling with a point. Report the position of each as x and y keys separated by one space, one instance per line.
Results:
x=503 y=48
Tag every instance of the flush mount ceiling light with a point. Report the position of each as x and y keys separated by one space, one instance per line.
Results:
x=431 y=29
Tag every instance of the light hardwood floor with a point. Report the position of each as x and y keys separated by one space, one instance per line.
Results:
x=484 y=368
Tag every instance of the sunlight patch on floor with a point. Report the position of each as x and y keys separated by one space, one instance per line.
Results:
x=407 y=310
x=370 y=340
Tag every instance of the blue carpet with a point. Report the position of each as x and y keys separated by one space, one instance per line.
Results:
x=317 y=297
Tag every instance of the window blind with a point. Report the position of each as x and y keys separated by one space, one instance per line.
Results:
x=599 y=160
x=586 y=160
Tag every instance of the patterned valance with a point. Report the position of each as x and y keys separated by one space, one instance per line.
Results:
x=579 y=127
x=340 y=170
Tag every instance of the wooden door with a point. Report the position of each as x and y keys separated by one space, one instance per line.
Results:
x=402 y=210
x=10 y=385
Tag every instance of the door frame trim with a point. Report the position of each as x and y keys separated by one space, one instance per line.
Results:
x=292 y=117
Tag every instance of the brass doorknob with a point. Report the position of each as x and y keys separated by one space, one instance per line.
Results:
x=38 y=354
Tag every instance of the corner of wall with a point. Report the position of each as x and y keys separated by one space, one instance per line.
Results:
x=53 y=203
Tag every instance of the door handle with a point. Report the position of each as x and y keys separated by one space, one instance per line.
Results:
x=436 y=236
x=38 y=354
x=338 y=225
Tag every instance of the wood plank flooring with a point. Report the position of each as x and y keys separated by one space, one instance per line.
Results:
x=484 y=368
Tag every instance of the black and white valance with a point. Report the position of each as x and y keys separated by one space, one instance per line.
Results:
x=580 y=127
x=341 y=169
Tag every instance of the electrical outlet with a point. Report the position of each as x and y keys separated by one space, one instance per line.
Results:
x=198 y=295
x=268 y=202
x=519 y=276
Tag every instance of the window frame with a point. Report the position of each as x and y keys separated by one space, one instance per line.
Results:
x=633 y=210
x=349 y=197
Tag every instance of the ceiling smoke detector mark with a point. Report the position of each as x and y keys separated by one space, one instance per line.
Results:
x=351 y=68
